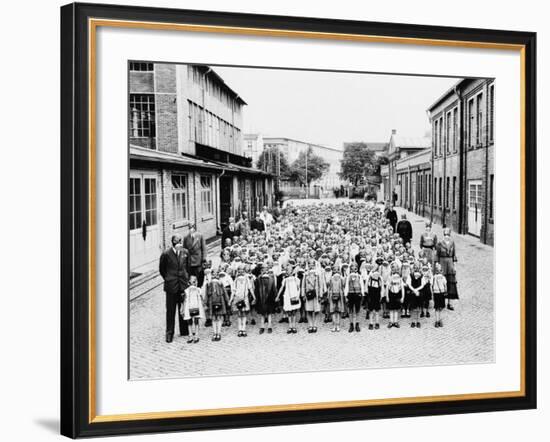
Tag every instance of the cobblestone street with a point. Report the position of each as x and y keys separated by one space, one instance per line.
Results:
x=467 y=336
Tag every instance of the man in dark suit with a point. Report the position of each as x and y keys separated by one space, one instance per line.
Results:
x=391 y=215
x=257 y=223
x=229 y=232
x=173 y=268
x=196 y=247
x=404 y=228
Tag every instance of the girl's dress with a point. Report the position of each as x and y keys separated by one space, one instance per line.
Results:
x=426 y=292
x=241 y=288
x=415 y=282
x=193 y=300
x=439 y=291
x=265 y=292
x=216 y=298
x=374 y=292
x=291 y=286
x=395 y=285
x=446 y=256
x=335 y=292
x=311 y=286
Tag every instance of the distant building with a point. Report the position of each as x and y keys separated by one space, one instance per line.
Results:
x=396 y=178
x=253 y=146
x=292 y=148
x=186 y=157
x=380 y=149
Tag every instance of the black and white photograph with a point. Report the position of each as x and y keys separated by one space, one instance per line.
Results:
x=286 y=220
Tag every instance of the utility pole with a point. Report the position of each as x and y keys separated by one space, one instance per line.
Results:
x=307 y=184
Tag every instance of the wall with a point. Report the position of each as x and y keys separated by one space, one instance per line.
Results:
x=30 y=345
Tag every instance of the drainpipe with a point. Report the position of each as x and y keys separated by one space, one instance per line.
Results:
x=485 y=205
x=462 y=163
x=431 y=186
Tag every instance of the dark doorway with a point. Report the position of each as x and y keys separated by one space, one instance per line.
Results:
x=226 y=198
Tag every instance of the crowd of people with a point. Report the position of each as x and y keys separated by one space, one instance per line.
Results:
x=332 y=262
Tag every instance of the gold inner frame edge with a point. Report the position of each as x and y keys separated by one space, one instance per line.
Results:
x=93 y=24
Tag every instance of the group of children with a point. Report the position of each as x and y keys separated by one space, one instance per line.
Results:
x=328 y=260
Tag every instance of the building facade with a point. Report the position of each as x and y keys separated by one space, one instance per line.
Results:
x=186 y=157
x=462 y=122
x=292 y=148
x=396 y=180
x=452 y=182
x=253 y=147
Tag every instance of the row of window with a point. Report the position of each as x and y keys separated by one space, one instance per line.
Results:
x=443 y=197
x=207 y=128
x=212 y=87
x=446 y=128
x=143 y=199
x=137 y=66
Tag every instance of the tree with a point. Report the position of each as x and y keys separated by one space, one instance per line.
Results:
x=357 y=162
x=316 y=167
x=274 y=161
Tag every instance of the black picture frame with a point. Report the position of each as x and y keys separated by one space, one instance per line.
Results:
x=75 y=220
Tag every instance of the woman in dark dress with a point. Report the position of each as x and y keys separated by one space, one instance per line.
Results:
x=265 y=292
x=445 y=255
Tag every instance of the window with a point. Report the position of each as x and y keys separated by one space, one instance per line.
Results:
x=441 y=139
x=491 y=195
x=435 y=137
x=492 y=112
x=455 y=129
x=191 y=121
x=206 y=195
x=448 y=132
x=470 y=122
x=447 y=190
x=440 y=192
x=135 y=203
x=179 y=196
x=150 y=185
x=479 y=117
x=142 y=115
x=454 y=193
x=430 y=188
x=141 y=67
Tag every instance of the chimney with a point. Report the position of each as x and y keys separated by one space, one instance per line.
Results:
x=393 y=131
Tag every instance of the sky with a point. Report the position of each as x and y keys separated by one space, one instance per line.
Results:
x=332 y=108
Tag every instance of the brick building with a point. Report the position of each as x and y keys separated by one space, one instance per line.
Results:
x=452 y=182
x=462 y=122
x=186 y=157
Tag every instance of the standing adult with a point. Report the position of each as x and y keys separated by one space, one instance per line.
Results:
x=257 y=223
x=196 y=247
x=173 y=267
x=428 y=241
x=394 y=197
x=278 y=212
x=404 y=229
x=266 y=217
x=391 y=215
x=230 y=232
x=244 y=224
x=445 y=254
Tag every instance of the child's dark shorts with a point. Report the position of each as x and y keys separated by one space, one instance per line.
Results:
x=373 y=302
x=354 y=301
x=439 y=301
